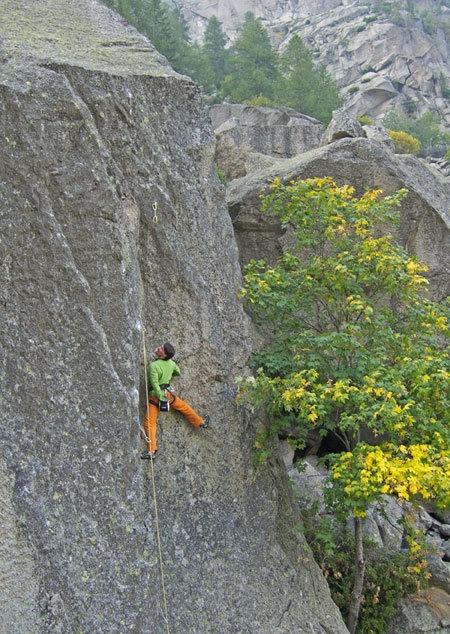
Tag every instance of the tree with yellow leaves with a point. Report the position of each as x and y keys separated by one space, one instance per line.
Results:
x=357 y=346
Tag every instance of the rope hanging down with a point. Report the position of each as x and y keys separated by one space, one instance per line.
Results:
x=158 y=538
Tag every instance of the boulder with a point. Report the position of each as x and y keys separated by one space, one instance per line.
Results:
x=342 y=125
x=427 y=612
x=242 y=130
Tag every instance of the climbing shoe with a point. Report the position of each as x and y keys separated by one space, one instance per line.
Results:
x=205 y=423
x=147 y=455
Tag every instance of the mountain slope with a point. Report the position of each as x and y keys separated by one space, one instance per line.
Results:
x=394 y=57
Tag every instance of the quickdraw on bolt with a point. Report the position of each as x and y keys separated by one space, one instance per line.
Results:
x=155 y=209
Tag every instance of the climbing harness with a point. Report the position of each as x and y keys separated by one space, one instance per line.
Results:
x=158 y=537
x=155 y=209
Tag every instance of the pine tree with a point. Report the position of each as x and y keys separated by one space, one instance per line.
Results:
x=214 y=49
x=155 y=22
x=198 y=66
x=121 y=6
x=253 y=64
x=304 y=87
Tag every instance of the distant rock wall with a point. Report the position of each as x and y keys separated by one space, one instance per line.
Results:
x=380 y=62
x=114 y=226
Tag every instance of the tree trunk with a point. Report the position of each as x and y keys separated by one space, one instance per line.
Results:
x=360 y=565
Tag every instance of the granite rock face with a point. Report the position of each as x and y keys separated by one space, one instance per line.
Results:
x=115 y=233
x=244 y=131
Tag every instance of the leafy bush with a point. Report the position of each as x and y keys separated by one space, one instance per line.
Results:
x=426 y=129
x=389 y=577
x=365 y=120
x=363 y=349
x=260 y=100
x=404 y=142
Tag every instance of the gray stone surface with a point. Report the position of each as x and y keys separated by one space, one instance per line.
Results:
x=245 y=134
x=342 y=125
x=428 y=612
x=97 y=133
x=279 y=132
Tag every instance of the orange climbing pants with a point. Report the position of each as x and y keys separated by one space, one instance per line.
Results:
x=152 y=414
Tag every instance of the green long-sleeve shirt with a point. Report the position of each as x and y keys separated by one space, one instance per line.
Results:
x=160 y=372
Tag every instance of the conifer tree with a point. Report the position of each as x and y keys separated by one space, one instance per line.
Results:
x=154 y=19
x=304 y=87
x=253 y=66
x=197 y=65
x=214 y=49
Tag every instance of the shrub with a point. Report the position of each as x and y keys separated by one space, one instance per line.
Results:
x=220 y=174
x=259 y=100
x=404 y=142
x=389 y=577
x=365 y=120
x=426 y=129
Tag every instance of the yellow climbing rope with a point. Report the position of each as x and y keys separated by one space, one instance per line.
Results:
x=158 y=538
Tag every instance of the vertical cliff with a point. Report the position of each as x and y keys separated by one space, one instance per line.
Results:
x=114 y=226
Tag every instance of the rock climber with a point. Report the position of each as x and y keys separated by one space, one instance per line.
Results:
x=162 y=397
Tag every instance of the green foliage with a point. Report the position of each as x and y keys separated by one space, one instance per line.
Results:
x=358 y=343
x=253 y=64
x=389 y=576
x=214 y=48
x=197 y=65
x=124 y=7
x=426 y=129
x=221 y=174
x=429 y=22
x=443 y=84
x=257 y=75
x=404 y=142
x=303 y=86
x=390 y=10
x=261 y=101
x=365 y=120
